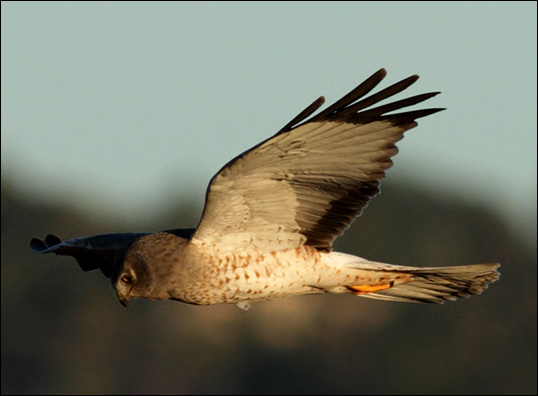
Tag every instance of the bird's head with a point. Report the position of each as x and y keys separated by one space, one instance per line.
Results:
x=133 y=278
x=146 y=269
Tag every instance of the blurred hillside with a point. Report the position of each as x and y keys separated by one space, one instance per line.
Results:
x=64 y=332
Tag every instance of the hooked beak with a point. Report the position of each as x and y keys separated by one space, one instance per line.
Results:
x=124 y=300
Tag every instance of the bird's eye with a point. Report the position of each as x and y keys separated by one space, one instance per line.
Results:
x=127 y=279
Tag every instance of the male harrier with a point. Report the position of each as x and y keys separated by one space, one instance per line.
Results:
x=272 y=213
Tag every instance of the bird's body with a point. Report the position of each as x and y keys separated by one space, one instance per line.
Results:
x=243 y=276
x=201 y=274
x=272 y=214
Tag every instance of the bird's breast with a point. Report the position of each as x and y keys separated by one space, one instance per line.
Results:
x=245 y=275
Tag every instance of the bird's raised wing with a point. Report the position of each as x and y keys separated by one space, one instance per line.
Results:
x=306 y=184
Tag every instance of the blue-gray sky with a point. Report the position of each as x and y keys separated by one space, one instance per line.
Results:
x=115 y=107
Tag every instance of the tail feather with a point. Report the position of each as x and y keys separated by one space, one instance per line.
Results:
x=436 y=285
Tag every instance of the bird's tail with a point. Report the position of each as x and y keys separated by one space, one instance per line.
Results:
x=429 y=284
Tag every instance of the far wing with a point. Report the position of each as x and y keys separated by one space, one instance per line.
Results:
x=306 y=184
x=98 y=251
x=95 y=252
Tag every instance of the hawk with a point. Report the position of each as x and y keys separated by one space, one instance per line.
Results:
x=272 y=213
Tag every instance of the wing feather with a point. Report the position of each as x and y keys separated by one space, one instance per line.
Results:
x=306 y=184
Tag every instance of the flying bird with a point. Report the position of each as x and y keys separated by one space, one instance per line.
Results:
x=272 y=213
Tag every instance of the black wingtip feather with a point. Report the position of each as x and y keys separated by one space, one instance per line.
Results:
x=411 y=115
x=378 y=97
x=38 y=245
x=52 y=240
x=399 y=104
x=357 y=93
x=304 y=114
x=352 y=108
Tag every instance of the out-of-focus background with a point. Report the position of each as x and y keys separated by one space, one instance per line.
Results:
x=114 y=118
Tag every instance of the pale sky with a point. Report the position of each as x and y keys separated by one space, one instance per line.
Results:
x=116 y=108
